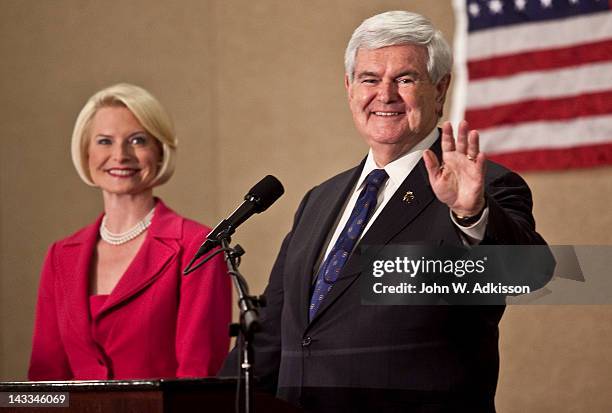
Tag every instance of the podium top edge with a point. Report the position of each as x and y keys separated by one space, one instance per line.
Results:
x=128 y=385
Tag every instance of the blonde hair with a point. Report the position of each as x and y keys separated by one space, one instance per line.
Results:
x=149 y=112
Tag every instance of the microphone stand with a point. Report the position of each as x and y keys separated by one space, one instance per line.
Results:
x=249 y=320
x=249 y=317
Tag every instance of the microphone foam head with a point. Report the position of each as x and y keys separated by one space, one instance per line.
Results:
x=265 y=193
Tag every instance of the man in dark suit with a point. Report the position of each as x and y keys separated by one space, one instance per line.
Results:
x=320 y=348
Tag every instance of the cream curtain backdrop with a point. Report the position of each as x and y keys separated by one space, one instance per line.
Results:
x=254 y=88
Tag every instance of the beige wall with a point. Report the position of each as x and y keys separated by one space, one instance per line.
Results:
x=254 y=88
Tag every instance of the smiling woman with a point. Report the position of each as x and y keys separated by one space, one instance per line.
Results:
x=112 y=303
x=123 y=158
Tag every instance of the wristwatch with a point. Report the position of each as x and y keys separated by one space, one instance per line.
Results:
x=471 y=220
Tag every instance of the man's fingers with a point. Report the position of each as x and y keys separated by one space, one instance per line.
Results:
x=473 y=145
x=448 y=142
x=480 y=162
x=431 y=163
x=462 y=134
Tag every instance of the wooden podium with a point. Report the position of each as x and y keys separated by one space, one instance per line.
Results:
x=147 y=396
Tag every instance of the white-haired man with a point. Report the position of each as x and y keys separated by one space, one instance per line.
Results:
x=320 y=348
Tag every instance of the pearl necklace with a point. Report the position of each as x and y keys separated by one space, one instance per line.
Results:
x=130 y=234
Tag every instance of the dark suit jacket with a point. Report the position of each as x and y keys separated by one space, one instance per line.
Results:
x=155 y=322
x=352 y=357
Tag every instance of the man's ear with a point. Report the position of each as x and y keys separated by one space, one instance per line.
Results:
x=347 y=85
x=441 y=89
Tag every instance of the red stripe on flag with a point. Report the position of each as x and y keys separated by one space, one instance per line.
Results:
x=547 y=159
x=540 y=60
x=587 y=104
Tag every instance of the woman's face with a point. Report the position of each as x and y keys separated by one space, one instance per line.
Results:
x=123 y=158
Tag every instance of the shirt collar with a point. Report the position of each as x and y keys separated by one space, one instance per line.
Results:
x=400 y=168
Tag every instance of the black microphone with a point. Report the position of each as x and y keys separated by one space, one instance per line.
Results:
x=258 y=199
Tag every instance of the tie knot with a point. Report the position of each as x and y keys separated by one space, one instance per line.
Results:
x=376 y=178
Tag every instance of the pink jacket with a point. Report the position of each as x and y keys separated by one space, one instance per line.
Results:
x=155 y=323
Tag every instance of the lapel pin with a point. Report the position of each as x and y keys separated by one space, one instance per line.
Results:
x=408 y=197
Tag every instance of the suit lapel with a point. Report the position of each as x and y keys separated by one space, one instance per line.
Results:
x=327 y=206
x=74 y=278
x=153 y=256
x=396 y=215
x=146 y=266
x=74 y=265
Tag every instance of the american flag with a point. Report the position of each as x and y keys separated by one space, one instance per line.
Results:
x=535 y=78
